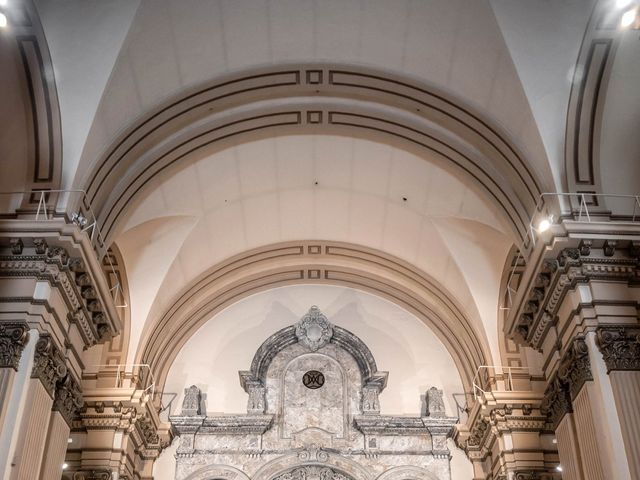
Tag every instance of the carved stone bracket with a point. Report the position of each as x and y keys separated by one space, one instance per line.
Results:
x=620 y=347
x=13 y=338
x=48 y=365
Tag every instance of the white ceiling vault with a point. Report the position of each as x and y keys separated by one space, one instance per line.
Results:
x=119 y=62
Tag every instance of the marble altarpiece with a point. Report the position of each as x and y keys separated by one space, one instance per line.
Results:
x=313 y=412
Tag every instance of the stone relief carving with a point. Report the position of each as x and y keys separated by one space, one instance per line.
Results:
x=435 y=403
x=191 y=402
x=314 y=330
x=312 y=472
x=620 y=347
x=257 y=401
x=370 y=403
x=333 y=432
x=13 y=338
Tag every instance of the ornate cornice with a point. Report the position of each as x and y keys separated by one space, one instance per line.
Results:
x=557 y=271
x=13 y=338
x=620 y=346
x=222 y=424
x=389 y=425
x=53 y=264
x=48 y=364
x=92 y=475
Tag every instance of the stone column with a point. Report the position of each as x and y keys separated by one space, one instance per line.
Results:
x=48 y=368
x=13 y=338
x=68 y=400
x=620 y=347
x=568 y=449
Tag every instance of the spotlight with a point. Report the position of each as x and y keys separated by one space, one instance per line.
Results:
x=65 y=466
x=555 y=440
x=559 y=468
x=3 y=20
x=545 y=224
x=69 y=440
x=3 y=3
x=79 y=219
x=628 y=18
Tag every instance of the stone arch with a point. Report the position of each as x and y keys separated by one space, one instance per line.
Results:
x=294 y=99
x=218 y=472
x=312 y=457
x=407 y=472
x=313 y=262
x=341 y=337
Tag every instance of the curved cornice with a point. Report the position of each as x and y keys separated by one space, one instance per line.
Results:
x=288 y=336
x=315 y=99
x=312 y=262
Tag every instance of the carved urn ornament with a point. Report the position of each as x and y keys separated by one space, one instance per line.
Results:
x=314 y=330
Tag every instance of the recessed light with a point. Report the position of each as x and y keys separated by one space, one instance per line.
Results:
x=628 y=18
x=3 y=20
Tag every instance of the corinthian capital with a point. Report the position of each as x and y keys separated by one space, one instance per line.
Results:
x=48 y=364
x=13 y=338
x=68 y=399
x=620 y=347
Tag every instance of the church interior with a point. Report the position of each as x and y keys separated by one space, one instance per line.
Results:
x=320 y=239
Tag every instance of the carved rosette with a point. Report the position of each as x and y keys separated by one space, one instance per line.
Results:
x=575 y=367
x=314 y=330
x=13 y=338
x=68 y=400
x=48 y=364
x=620 y=347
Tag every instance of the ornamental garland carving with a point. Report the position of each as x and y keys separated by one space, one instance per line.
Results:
x=48 y=364
x=620 y=347
x=13 y=338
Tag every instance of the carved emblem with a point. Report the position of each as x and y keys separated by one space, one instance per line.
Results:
x=313 y=379
x=314 y=330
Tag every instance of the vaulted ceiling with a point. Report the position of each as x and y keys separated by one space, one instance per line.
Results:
x=421 y=130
